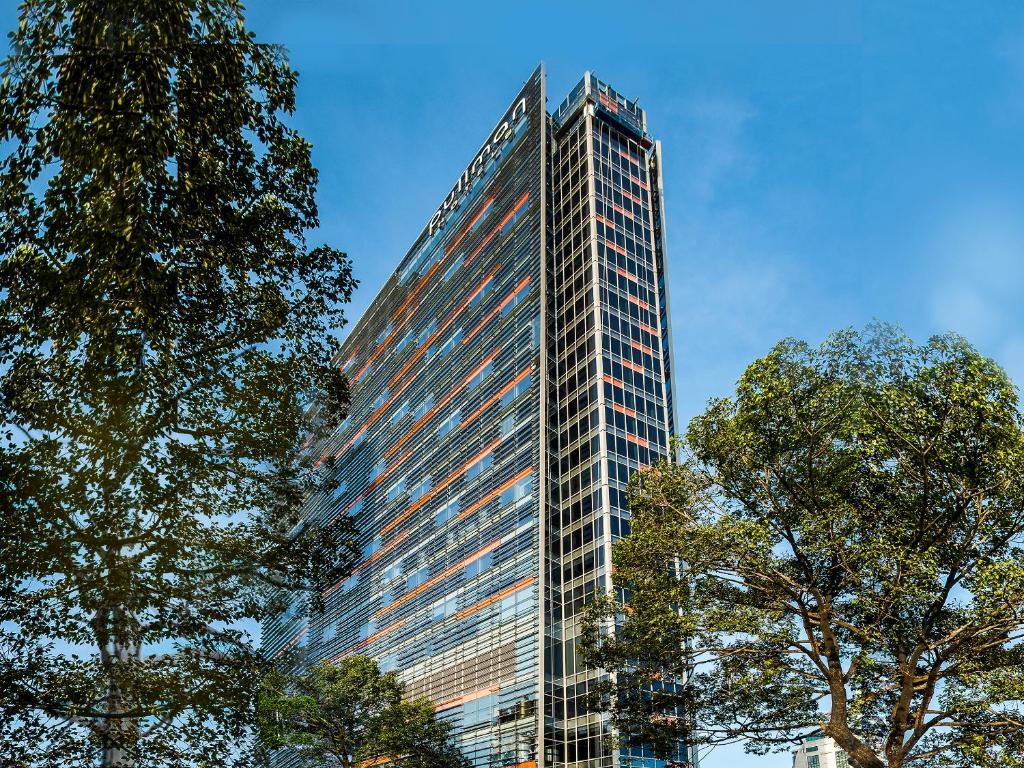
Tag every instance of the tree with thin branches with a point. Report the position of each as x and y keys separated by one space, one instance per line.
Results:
x=840 y=550
x=164 y=328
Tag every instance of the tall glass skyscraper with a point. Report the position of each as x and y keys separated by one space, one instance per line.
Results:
x=507 y=380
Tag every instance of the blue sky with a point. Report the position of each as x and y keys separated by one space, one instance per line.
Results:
x=827 y=163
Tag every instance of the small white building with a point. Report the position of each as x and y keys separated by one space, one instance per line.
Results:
x=819 y=752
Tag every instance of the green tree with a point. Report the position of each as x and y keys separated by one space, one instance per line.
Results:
x=839 y=549
x=348 y=713
x=163 y=327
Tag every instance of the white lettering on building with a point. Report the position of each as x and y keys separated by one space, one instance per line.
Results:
x=502 y=133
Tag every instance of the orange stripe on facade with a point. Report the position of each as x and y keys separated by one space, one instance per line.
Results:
x=488 y=450
x=440 y=577
x=639 y=302
x=508 y=217
x=623 y=211
x=419 y=503
x=605 y=221
x=443 y=402
x=632 y=366
x=613 y=381
x=479 y=288
x=351 y=440
x=642 y=347
x=649 y=328
x=627 y=274
x=494 y=598
x=614 y=247
x=466 y=230
x=493 y=494
x=638 y=440
x=376 y=353
x=515 y=209
x=497 y=310
x=624 y=409
x=381 y=552
x=451 y=319
x=492 y=400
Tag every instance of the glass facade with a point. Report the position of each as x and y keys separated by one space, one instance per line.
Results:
x=506 y=381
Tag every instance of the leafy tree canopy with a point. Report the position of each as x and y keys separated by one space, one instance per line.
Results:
x=840 y=549
x=163 y=327
x=348 y=713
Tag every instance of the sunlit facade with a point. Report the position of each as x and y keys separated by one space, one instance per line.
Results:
x=820 y=751
x=507 y=380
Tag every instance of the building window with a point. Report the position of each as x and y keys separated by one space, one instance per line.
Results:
x=367 y=629
x=454 y=340
x=448 y=511
x=480 y=375
x=404 y=342
x=449 y=424
x=417 y=577
x=480 y=465
x=349 y=584
x=400 y=413
x=482 y=292
x=452 y=269
x=427 y=333
x=516 y=391
x=356 y=508
x=518 y=491
x=516 y=299
x=381 y=399
x=478 y=566
x=385 y=333
x=444 y=608
x=372 y=547
x=327 y=633
x=421 y=488
x=396 y=490
x=424 y=407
